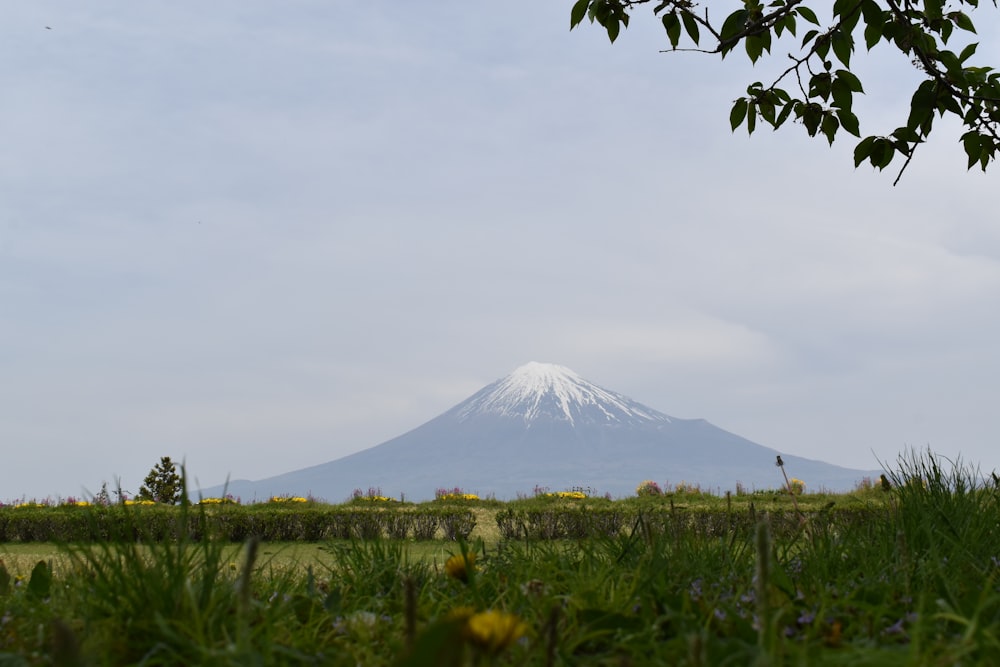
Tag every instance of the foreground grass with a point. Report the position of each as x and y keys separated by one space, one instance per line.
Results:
x=916 y=584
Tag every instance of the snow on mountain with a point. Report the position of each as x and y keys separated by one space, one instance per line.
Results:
x=536 y=390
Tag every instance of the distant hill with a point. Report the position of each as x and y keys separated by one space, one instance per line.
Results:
x=545 y=426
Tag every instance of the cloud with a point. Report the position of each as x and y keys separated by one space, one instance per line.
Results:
x=242 y=228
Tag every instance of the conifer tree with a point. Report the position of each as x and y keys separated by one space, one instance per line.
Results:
x=162 y=484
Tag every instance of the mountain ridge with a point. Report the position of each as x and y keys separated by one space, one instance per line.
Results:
x=545 y=426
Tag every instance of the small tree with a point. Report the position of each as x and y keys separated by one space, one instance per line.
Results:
x=103 y=498
x=162 y=484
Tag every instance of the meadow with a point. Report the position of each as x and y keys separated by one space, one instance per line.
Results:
x=900 y=574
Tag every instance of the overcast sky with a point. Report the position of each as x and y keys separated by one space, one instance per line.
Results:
x=258 y=236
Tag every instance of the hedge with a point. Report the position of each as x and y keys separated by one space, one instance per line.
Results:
x=230 y=522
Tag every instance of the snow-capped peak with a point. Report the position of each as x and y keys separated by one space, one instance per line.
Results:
x=538 y=390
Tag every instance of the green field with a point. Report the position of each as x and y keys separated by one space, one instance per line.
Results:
x=904 y=576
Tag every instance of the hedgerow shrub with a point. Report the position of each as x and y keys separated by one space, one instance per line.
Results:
x=234 y=523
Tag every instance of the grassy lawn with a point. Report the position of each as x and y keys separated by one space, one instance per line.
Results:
x=19 y=559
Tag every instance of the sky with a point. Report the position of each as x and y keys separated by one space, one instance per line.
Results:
x=257 y=236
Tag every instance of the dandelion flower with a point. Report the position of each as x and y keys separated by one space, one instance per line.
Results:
x=460 y=565
x=494 y=631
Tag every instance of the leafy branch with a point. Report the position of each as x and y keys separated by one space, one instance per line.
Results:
x=823 y=102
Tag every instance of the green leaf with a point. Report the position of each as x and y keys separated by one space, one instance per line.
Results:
x=863 y=150
x=613 y=28
x=599 y=11
x=751 y=118
x=691 y=26
x=987 y=152
x=881 y=153
x=783 y=116
x=876 y=154
x=842 y=95
x=790 y=23
x=907 y=135
x=968 y=51
x=972 y=115
x=885 y=150
x=812 y=116
x=578 y=13
x=672 y=24
x=819 y=85
x=766 y=111
x=807 y=14
x=843 y=44
x=738 y=113
x=933 y=9
x=830 y=126
x=849 y=15
x=439 y=645
x=754 y=46
x=872 y=12
x=849 y=122
x=971 y=141
x=40 y=583
x=950 y=62
x=823 y=46
x=922 y=105
x=779 y=25
x=853 y=82
x=734 y=24
x=946 y=29
x=963 y=21
x=948 y=102
x=873 y=34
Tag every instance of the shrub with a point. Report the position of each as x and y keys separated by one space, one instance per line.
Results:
x=648 y=488
x=454 y=494
x=458 y=525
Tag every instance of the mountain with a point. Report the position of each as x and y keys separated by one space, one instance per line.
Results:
x=545 y=426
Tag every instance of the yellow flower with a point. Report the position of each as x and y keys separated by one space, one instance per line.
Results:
x=457 y=496
x=796 y=486
x=573 y=495
x=460 y=565
x=494 y=631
